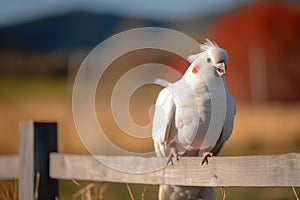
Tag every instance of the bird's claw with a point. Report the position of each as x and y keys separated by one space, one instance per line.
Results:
x=205 y=156
x=173 y=153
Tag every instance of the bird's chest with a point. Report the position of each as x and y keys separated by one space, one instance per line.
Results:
x=192 y=117
x=193 y=108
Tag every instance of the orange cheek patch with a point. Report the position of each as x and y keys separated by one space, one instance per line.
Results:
x=195 y=68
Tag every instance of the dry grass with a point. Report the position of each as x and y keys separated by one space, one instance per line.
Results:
x=269 y=129
x=95 y=191
x=295 y=193
x=37 y=184
x=224 y=193
x=101 y=193
x=258 y=130
x=9 y=190
x=129 y=191
x=144 y=192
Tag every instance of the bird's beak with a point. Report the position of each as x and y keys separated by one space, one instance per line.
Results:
x=220 y=68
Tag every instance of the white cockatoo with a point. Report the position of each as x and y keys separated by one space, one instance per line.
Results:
x=194 y=116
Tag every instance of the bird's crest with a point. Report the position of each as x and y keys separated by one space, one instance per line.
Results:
x=208 y=44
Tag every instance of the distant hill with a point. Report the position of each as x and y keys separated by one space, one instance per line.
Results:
x=69 y=31
x=43 y=47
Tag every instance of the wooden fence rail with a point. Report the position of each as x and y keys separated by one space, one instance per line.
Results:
x=253 y=171
x=38 y=155
x=9 y=167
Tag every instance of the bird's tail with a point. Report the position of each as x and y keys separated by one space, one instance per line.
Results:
x=174 y=192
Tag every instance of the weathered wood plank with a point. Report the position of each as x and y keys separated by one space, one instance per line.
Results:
x=258 y=171
x=9 y=167
x=26 y=161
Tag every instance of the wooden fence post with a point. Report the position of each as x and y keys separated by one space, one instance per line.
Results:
x=37 y=141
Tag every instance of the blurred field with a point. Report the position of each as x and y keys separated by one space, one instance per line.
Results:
x=259 y=129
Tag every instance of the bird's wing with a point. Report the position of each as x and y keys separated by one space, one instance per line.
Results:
x=162 y=121
x=228 y=125
x=229 y=119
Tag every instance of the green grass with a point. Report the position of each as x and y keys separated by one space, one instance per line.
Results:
x=116 y=191
x=20 y=88
x=111 y=191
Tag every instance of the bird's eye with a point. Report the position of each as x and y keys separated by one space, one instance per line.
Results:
x=208 y=60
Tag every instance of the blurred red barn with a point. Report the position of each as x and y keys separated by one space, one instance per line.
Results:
x=265 y=35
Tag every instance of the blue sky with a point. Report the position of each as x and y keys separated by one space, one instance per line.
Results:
x=18 y=11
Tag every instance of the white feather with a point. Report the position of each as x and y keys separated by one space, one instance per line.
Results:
x=183 y=109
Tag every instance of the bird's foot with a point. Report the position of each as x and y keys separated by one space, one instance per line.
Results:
x=205 y=156
x=173 y=153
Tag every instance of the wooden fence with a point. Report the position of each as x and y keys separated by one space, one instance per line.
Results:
x=38 y=167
